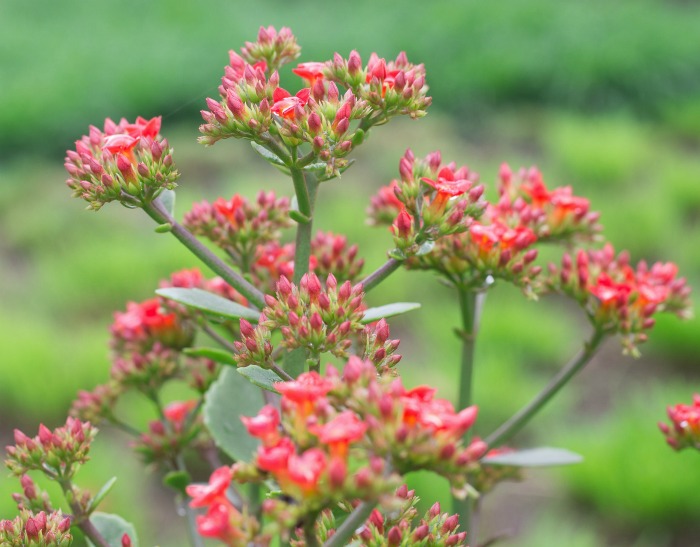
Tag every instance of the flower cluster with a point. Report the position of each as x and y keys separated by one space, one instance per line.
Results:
x=57 y=453
x=390 y=88
x=167 y=438
x=400 y=525
x=239 y=226
x=428 y=201
x=554 y=215
x=253 y=105
x=684 y=431
x=619 y=298
x=40 y=529
x=222 y=520
x=125 y=162
x=307 y=316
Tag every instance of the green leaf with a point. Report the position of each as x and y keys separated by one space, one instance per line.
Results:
x=267 y=154
x=95 y=501
x=163 y=228
x=535 y=457
x=229 y=398
x=177 y=480
x=299 y=217
x=210 y=303
x=261 y=377
x=218 y=355
x=315 y=167
x=397 y=308
x=167 y=198
x=112 y=528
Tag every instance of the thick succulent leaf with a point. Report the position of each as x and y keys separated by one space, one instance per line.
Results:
x=535 y=457
x=209 y=303
x=112 y=528
x=397 y=308
x=229 y=398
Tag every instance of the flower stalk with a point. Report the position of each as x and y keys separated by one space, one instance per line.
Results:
x=524 y=415
x=380 y=274
x=157 y=212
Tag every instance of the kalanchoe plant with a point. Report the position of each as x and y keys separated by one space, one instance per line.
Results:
x=684 y=431
x=300 y=452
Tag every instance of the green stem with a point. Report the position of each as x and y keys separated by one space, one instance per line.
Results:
x=80 y=519
x=306 y=189
x=158 y=213
x=380 y=274
x=522 y=417
x=470 y=303
x=359 y=515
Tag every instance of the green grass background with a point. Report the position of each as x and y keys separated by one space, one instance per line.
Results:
x=602 y=96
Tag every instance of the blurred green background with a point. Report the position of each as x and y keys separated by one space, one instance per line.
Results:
x=603 y=96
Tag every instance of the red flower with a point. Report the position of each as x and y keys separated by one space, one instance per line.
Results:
x=447 y=185
x=264 y=426
x=310 y=71
x=144 y=128
x=120 y=143
x=338 y=433
x=214 y=491
x=305 y=390
x=216 y=524
x=286 y=105
x=306 y=470
x=232 y=209
x=177 y=411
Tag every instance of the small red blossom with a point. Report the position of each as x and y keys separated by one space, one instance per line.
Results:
x=306 y=469
x=148 y=129
x=217 y=523
x=311 y=71
x=264 y=426
x=213 y=492
x=338 y=433
x=286 y=105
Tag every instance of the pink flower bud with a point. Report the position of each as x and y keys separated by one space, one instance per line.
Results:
x=354 y=63
x=126 y=540
x=434 y=510
x=235 y=105
x=450 y=524
x=246 y=328
x=333 y=92
x=45 y=435
x=421 y=533
x=394 y=536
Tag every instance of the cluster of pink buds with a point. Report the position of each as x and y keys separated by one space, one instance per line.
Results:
x=378 y=348
x=684 y=431
x=125 y=162
x=482 y=253
x=554 y=215
x=239 y=226
x=272 y=47
x=398 y=525
x=390 y=88
x=57 y=453
x=619 y=298
x=307 y=316
x=330 y=253
x=222 y=520
x=427 y=202
x=334 y=256
x=39 y=529
x=167 y=438
x=31 y=499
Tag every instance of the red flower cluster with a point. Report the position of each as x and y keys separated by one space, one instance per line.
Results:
x=327 y=421
x=685 y=425
x=620 y=298
x=239 y=226
x=222 y=520
x=444 y=198
x=319 y=115
x=391 y=88
x=124 y=162
x=552 y=214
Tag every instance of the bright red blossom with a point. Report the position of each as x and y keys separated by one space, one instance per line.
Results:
x=214 y=491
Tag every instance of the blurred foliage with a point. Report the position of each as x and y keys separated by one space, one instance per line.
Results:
x=74 y=65
x=601 y=96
